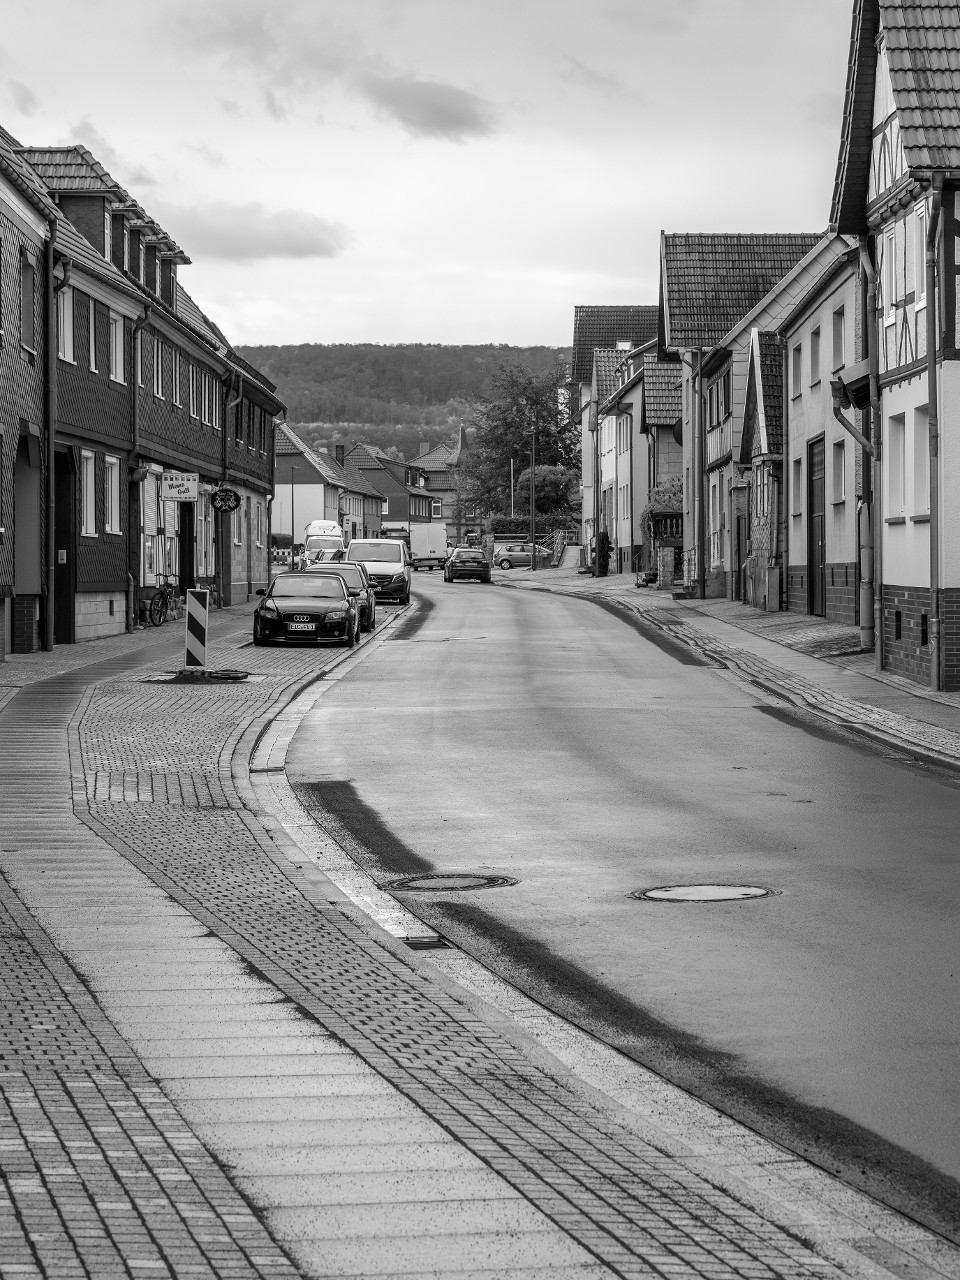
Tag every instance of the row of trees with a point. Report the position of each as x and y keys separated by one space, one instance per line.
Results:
x=525 y=405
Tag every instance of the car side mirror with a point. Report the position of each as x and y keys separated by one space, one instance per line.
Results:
x=354 y=592
x=260 y=591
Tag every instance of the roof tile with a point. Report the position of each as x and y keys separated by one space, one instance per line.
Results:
x=604 y=327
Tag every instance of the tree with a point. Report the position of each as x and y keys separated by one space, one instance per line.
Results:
x=556 y=490
x=525 y=403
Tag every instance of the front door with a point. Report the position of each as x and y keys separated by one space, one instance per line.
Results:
x=64 y=548
x=816 y=538
x=187 y=541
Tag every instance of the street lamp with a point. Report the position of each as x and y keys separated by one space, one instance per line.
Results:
x=593 y=425
x=533 y=500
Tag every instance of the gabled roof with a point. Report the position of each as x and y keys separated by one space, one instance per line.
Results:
x=708 y=282
x=765 y=389
x=287 y=443
x=373 y=461
x=662 y=405
x=922 y=40
x=436 y=459
x=606 y=361
x=604 y=327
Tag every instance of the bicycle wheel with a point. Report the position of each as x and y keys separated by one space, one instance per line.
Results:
x=158 y=608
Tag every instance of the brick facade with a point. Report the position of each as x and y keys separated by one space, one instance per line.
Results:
x=25 y=632
x=904 y=609
x=842 y=593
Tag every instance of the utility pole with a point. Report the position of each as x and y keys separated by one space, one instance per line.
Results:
x=533 y=500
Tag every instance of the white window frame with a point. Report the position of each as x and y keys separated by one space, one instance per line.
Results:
x=116 y=348
x=890 y=276
x=194 y=379
x=839 y=471
x=88 y=494
x=158 y=367
x=896 y=455
x=138 y=352
x=839 y=332
x=107 y=235
x=111 y=494
x=921 y=461
x=65 y=324
x=205 y=398
x=215 y=395
x=796 y=370
x=176 y=389
x=920 y=255
x=436 y=508
x=92 y=335
x=238 y=526
x=814 y=356
x=259 y=524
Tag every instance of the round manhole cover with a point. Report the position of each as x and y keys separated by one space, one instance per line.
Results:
x=703 y=893
x=451 y=882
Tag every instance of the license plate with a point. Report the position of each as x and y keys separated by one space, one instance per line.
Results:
x=299 y=626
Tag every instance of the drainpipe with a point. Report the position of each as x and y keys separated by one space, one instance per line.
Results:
x=783 y=525
x=138 y=327
x=136 y=473
x=700 y=449
x=50 y=411
x=934 y=430
x=874 y=513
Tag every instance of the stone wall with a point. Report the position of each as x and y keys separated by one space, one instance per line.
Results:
x=100 y=613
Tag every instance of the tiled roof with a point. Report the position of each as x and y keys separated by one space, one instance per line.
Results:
x=923 y=53
x=661 y=390
x=437 y=459
x=771 y=381
x=71 y=168
x=604 y=327
x=287 y=442
x=710 y=281
x=606 y=361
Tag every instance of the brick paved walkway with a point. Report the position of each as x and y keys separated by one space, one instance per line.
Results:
x=151 y=771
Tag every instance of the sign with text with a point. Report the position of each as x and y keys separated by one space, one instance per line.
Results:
x=179 y=486
x=225 y=500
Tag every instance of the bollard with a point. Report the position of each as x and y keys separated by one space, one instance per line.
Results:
x=198 y=621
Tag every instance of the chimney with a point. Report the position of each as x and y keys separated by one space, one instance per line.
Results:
x=424 y=448
x=339 y=454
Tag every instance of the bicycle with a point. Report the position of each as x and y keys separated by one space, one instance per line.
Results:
x=162 y=600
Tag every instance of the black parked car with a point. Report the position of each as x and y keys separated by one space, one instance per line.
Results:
x=358 y=586
x=466 y=562
x=311 y=607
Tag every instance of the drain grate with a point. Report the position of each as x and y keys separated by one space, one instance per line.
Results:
x=426 y=942
x=703 y=893
x=449 y=882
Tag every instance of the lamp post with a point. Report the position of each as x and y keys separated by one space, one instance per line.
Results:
x=533 y=500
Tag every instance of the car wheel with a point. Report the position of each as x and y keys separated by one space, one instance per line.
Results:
x=405 y=599
x=366 y=625
x=257 y=635
x=351 y=638
x=506 y=564
x=373 y=618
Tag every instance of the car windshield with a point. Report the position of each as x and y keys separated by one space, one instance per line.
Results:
x=348 y=572
x=323 y=542
x=375 y=551
x=475 y=557
x=303 y=586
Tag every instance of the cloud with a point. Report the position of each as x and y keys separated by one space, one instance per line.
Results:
x=249 y=232
x=24 y=99
x=429 y=108
x=126 y=171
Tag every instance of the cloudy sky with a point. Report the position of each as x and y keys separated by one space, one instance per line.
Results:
x=436 y=170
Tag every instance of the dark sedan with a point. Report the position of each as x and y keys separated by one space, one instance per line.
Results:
x=358 y=586
x=466 y=562
x=306 y=607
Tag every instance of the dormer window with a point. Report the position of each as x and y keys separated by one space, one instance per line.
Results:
x=142 y=262
x=107 y=235
x=126 y=247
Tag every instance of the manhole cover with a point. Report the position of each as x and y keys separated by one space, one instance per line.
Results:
x=703 y=893
x=452 y=882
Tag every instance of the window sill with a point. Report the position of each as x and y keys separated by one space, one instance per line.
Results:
x=838 y=502
x=814 y=384
x=66 y=359
x=921 y=306
x=85 y=534
x=114 y=533
x=795 y=515
x=923 y=518
x=895 y=520
x=119 y=381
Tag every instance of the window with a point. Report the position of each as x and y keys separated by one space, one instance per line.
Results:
x=116 y=347
x=921 y=462
x=896 y=460
x=796 y=488
x=263 y=435
x=88 y=494
x=251 y=429
x=28 y=316
x=158 y=368
x=107 y=235
x=65 y=324
x=238 y=425
x=920 y=254
x=194 y=372
x=815 y=356
x=889 y=276
x=126 y=247
x=839 y=471
x=796 y=369
x=175 y=357
x=217 y=396
x=725 y=406
x=259 y=524
x=93 y=336
x=238 y=526
x=139 y=357
x=839 y=339
x=141 y=261
x=111 y=494
x=205 y=398
x=436 y=508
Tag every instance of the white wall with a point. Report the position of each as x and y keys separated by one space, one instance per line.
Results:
x=308 y=504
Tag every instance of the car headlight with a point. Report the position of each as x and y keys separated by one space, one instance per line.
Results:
x=399 y=577
x=336 y=615
x=269 y=607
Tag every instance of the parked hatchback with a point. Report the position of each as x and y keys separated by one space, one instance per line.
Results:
x=517 y=555
x=466 y=562
x=306 y=608
x=358 y=586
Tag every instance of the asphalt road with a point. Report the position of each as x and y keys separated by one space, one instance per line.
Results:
x=542 y=738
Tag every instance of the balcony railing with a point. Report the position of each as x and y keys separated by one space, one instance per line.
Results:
x=719 y=441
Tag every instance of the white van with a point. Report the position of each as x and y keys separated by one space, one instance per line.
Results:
x=322 y=542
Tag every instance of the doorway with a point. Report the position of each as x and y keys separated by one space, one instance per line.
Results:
x=816 y=528
x=65 y=547
x=186 y=536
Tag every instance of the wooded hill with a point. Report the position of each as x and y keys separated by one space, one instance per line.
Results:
x=391 y=396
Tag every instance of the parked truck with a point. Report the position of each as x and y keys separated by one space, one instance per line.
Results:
x=428 y=545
